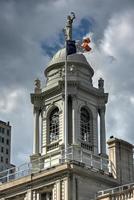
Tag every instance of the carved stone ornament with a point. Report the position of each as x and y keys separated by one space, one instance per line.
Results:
x=37 y=87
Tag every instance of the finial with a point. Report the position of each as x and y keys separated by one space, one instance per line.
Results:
x=100 y=83
x=37 y=88
x=68 y=27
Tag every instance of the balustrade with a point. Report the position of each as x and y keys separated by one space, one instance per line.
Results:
x=118 y=193
x=71 y=154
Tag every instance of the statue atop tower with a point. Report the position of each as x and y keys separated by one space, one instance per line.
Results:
x=68 y=27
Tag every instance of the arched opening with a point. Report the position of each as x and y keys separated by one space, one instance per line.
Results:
x=54 y=125
x=86 y=123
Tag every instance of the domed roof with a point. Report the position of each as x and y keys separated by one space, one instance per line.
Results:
x=59 y=58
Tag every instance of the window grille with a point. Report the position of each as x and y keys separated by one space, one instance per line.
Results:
x=85 y=125
x=46 y=196
x=54 y=126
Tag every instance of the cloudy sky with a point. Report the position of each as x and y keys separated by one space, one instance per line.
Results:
x=31 y=32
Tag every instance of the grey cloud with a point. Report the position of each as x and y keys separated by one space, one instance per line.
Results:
x=118 y=73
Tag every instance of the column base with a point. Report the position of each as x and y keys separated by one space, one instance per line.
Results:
x=35 y=157
x=36 y=162
x=103 y=155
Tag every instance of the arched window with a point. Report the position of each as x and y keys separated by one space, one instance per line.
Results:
x=85 y=125
x=54 y=125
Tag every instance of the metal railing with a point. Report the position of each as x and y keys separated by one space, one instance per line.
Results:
x=87 y=158
x=74 y=154
x=126 y=190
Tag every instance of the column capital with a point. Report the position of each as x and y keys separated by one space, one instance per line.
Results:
x=102 y=109
x=37 y=109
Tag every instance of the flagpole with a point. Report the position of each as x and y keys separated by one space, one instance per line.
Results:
x=66 y=102
x=68 y=37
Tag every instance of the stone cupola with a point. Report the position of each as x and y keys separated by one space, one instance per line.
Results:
x=85 y=103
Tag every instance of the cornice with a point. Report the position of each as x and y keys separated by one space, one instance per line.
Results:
x=39 y=179
x=50 y=176
x=59 y=88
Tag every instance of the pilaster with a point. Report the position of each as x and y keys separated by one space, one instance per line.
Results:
x=74 y=120
x=36 y=141
x=35 y=195
x=58 y=188
x=95 y=131
x=102 y=131
x=66 y=189
x=28 y=195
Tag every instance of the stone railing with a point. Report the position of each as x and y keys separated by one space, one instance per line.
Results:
x=71 y=154
x=124 y=192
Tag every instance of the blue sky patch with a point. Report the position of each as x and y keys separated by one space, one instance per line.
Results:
x=85 y=26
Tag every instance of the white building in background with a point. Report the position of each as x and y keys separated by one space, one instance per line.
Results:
x=5 y=145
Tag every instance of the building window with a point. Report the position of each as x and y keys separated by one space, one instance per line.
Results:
x=54 y=125
x=2 y=140
x=2 y=130
x=7 y=141
x=1 y=159
x=8 y=132
x=6 y=160
x=46 y=196
x=85 y=125
x=7 y=151
x=2 y=149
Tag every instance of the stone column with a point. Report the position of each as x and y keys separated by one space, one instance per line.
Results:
x=74 y=119
x=66 y=189
x=36 y=131
x=36 y=195
x=58 y=187
x=102 y=131
x=95 y=132
x=74 y=189
x=37 y=90
x=28 y=195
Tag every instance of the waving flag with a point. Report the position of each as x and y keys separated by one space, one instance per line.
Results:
x=71 y=48
x=84 y=45
x=79 y=46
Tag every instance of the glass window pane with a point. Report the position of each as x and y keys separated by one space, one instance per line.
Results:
x=85 y=125
x=54 y=125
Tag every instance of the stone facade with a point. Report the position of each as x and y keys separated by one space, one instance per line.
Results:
x=67 y=181
x=121 y=156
